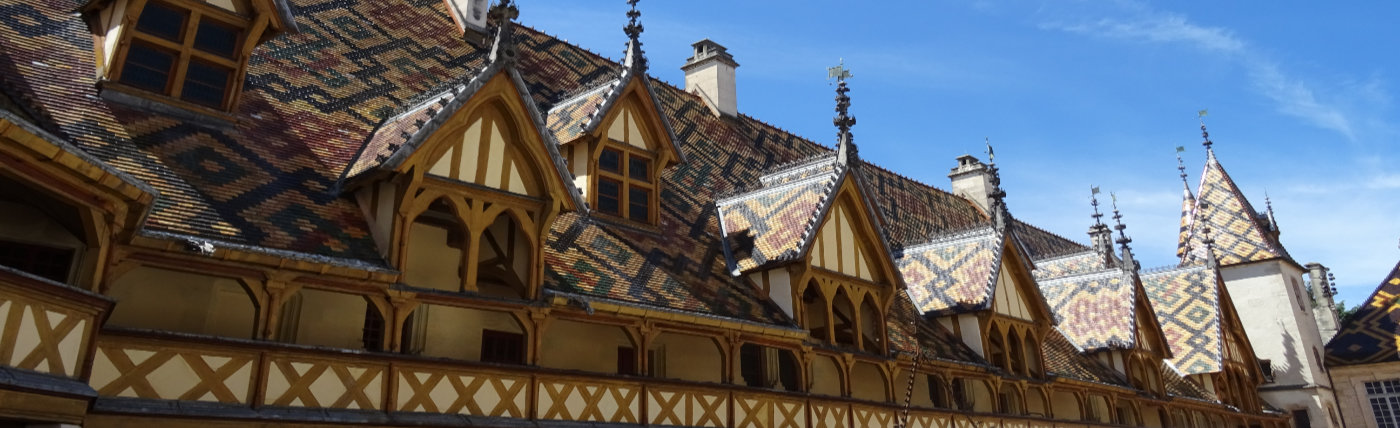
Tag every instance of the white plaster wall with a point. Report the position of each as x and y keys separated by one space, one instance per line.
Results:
x=716 y=82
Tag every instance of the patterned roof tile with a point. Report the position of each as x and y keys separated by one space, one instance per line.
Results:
x=1187 y=303
x=953 y=273
x=568 y=119
x=909 y=332
x=1235 y=225
x=1095 y=309
x=774 y=224
x=1075 y=263
x=1063 y=359
x=1369 y=335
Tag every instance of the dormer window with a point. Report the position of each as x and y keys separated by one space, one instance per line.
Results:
x=626 y=183
x=192 y=52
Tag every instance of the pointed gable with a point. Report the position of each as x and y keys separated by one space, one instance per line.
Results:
x=1369 y=335
x=1187 y=301
x=844 y=240
x=1009 y=299
x=1239 y=236
x=1095 y=309
x=955 y=272
x=624 y=110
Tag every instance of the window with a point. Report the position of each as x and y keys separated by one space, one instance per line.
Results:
x=626 y=360
x=764 y=367
x=1385 y=403
x=1300 y=417
x=937 y=392
x=626 y=187
x=373 y=336
x=188 y=54
x=45 y=262
x=502 y=347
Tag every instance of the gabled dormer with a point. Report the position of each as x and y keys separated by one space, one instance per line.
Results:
x=810 y=239
x=191 y=54
x=462 y=187
x=617 y=140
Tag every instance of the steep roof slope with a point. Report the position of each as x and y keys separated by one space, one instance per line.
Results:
x=1368 y=336
x=1240 y=234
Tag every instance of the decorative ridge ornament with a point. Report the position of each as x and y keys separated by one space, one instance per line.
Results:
x=1269 y=209
x=1123 y=240
x=503 y=47
x=846 y=152
x=634 y=57
x=1205 y=136
x=1181 y=168
x=1094 y=202
x=1001 y=217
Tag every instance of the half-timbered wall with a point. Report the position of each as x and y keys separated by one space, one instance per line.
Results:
x=839 y=246
x=487 y=152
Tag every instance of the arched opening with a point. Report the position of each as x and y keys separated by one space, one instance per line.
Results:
x=996 y=346
x=1065 y=405
x=1155 y=417
x=1099 y=410
x=826 y=376
x=685 y=357
x=1009 y=400
x=589 y=347
x=1015 y=353
x=1032 y=349
x=765 y=367
x=433 y=258
x=814 y=306
x=161 y=299
x=919 y=393
x=465 y=334
x=981 y=396
x=39 y=234
x=1127 y=413
x=1035 y=403
x=868 y=382
x=504 y=259
x=938 y=392
x=872 y=328
x=845 y=318
x=323 y=318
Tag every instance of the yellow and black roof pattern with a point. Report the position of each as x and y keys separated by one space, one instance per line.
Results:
x=1095 y=308
x=1187 y=302
x=954 y=273
x=1240 y=234
x=1368 y=336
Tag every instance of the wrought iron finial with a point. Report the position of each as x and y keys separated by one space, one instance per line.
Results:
x=634 y=57
x=1001 y=216
x=1269 y=210
x=503 y=47
x=1181 y=167
x=1123 y=239
x=1094 y=201
x=1205 y=136
x=845 y=142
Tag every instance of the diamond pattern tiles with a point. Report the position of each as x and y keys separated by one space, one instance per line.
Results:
x=1063 y=359
x=1188 y=204
x=1187 y=303
x=1239 y=236
x=909 y=332
x=567 y=120
x=394 y=133
x=1095 y=309
x=955 y=273
x=773 y=224
x=1076 y=263
x=1369 y=335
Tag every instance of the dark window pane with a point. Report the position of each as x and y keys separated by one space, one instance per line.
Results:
x=639 y=168
x=216 y=38
x=638 y=203
x=751 y=364
x=147 y=67
x=609 y=196
x=626 y=360
x=373 y=334
x=502 y=347
x=205 y=84
x=610 y=160
x=45 y=262
x=162 y=21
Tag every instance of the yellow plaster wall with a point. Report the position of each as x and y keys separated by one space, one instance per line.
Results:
x=688 y=357
x=1035 y=403
x=1099 y=409
x=838 y=248
x=826 y=376
x=500 y=231
x=1009 y=300
x=1065 y=406
x=325 y=318
x=983 y=400
x=868 y=382
x=430 y=262
x=180 y=301
x=452 y=332
x=581 y=346
x=921 y=397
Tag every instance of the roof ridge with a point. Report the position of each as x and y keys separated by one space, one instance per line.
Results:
x=1047 y=232
x=1081 y=275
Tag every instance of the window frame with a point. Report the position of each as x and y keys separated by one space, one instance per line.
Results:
x=184 y=53
x=623 y=177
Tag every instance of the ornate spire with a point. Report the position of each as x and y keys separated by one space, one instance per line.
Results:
x=1001 y=217
x=1123 y=239
x=1181 y=168
x=1269 y=209
x=634 y=57
x=1099 y=234
x=503 y=47
x=1206 y=238
x=1205 y=136
x=846 y=153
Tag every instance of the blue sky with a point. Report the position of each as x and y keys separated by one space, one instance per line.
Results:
x=1079 y=93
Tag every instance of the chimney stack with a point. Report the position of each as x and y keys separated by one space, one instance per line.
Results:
x=709 y=73
x=973 y=181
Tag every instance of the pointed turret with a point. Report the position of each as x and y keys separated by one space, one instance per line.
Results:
x=1188 y=204
x=1240 y=235
x=1129 y=263
x=846 y=152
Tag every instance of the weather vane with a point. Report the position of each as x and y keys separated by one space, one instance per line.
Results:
x=839 y=72
x=1202 y=114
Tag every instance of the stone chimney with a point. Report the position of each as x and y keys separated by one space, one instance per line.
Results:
x=709 y=73
x=973 y=181
x=1325 y=310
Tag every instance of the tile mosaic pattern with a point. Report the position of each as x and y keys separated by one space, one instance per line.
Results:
x=1076 y=263
x=909 y=332
x=394 y=133
x=1095 y=309
x=566 y=120
x=1240 y=235
x=1187 y=303
x=1368 y=336
x=1064 y=360
x=1188 y=203
x=775 y=224
x=1178 y=386
x=1042 y=244
x=954 y=273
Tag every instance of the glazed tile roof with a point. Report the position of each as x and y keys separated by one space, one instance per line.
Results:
x=395 y=132
x=773 y=225
x=1071 y=264
x=1188 y=204
x=1043 y=244
x=567 y=120
x=1241 y=236
x=1187 y=303
x=1178 y=386
x=1095 y=309
x=1369 y=335
x=953 y=273
x=1063 y=359
x=905 y=326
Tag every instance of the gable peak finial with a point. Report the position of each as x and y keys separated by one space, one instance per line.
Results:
x=1181 y=167
x=1094 y=201
x=1269 y=210
x=1123 y=239
x=634 y=57
x=846 y=152
x=1205 y=136
x=1001 y=216
x=503 y=47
